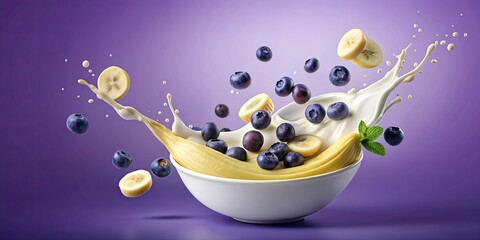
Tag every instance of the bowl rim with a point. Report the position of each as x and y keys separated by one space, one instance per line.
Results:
x=234 y=180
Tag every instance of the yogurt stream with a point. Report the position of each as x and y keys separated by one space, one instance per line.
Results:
x=368 y=104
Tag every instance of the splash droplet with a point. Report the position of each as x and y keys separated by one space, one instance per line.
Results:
x=66 y=60
x=177 y=111
x=415 y=25
x=78 y=96
x=388 y=63
x=415 y=64
x=167 y=120
x=190 y=126
x=364 y=84
x=453 y=25
x=465 y=34
x=409 y=96
x=455 y=34
x=63 y=89
x=414 y=36
x=434 y=61
x=85 y=63
x=450 y=47
x=165 y=104
x=232 y=91
x=110 y=55
x=420 y=30
x=106 y=115
x=159 y=112
x=90 y=71
x=294 y=73
x=443 y=42
x=237 y=93
x=93 y=74
x=164 y=82
x=90 y=100
x=379 y=71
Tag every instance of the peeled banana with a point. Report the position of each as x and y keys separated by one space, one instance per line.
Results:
x=202 y=159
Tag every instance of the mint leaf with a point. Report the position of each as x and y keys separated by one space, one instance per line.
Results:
x=373 y=133
x=362 y=127
x=374 y=147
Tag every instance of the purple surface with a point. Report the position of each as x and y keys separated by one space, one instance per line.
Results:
x=59 y=185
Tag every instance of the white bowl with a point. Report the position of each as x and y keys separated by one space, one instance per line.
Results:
x=267 y=201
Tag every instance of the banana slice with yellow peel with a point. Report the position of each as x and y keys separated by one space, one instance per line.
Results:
x=370 y=57
x=306 y=145
x=114 y=82
x=351 y=44
x=135 y=183
x=259 y=102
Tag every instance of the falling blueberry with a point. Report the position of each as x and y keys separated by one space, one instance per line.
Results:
x=339 y=76
x=221 y=110
x=284 y=86
x=285 y=132
x=260 y=119
x=161 y=167
x=301 y=94
x=393 y=135
x=121 y=159
x=264 y=54
x=240 y=80
x=210 y=131
x=77 y=123
x=315 y=113
x=311 y=65
x=337 y=111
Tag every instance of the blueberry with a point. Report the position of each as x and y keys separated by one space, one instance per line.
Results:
x=260 y=119
x=339 y=76
x=210 y=131
x=285 y=132
x=77 y=123
x=217 y=144
x=225 y=130
x=284 y=86
x=161 y=167
x=293 y=159
x=237 y=153
x=264 y=54
x=121 y=159
x=315 y=113
x=337 y=111
x=393 y=135
x=301 y=94
x=311 y=65
x=240 y=80
x=221 y=110
x=267 y=160
x=252 y=141
x=279 y=149
x=195 y=128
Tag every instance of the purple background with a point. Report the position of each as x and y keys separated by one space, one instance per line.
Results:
x=55 y=184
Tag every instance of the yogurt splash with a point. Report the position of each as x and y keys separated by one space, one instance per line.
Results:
x=368 y=104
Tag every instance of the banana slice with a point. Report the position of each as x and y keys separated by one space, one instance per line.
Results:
x=370 y=57
x=351 y=44
x=114 y=82
x=259 y=102
x=306 y=145
x=135 y=183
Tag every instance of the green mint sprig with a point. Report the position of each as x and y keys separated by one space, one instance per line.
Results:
x=368 y=136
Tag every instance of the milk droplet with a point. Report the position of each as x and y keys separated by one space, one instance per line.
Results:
x=415 y=64
x=295 y=73
x=388 y=63
x=414 y=36
x=450 y=47
x=409 y=97
x=434 y=61
x=415 y=25
x=237 y=93
x=106 y=115
x=436 y=42
x=461 y=14
x=190 y=126
x=93 y=74
x=415 y=50
x=148 y=111
x=443 y=42
x=110 y=55
x=159 y=112
x=453 y=25
x=455 y=34
x=364 y=75
x=364 y=84
x=418 y=11
x=165 y=104
x=437 y=34
x=177 y=111
x=90 y=71
x=420 y=30
x=465 y=34
x=66 y=60
x=63 y=89
x=379 y=71
x=78 y=96
x=85 y=63
x=446 y=35
x=167 y=120
x=232 y=91
x=90 y=100
x=164 y=82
